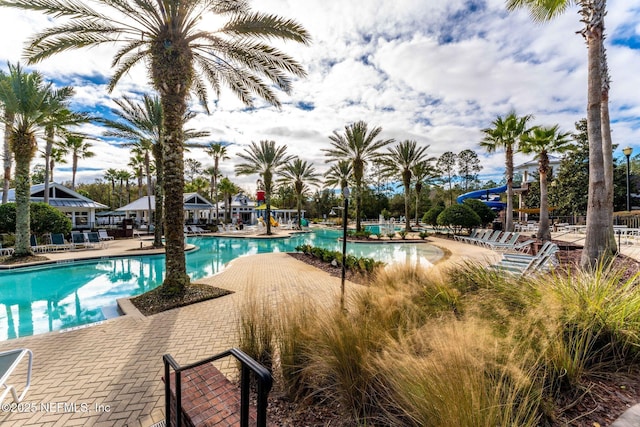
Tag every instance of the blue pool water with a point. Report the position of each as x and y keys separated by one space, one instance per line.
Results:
x=62 y=296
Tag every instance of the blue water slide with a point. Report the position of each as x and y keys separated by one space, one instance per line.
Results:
x=489 y=196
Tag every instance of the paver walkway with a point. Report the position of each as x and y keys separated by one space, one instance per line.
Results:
x=110 y=374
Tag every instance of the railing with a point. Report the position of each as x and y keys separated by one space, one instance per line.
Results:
x=263 y=376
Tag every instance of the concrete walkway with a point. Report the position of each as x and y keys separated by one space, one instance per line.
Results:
x=110 y=374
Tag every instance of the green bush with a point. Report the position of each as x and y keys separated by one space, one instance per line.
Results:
x=484 y=212
x=359 y=265
x=458 y=217
x=44 y=219
x=430 y=217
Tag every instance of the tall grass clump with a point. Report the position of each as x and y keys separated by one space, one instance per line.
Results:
x=459 y=374
x=258 y=329
x=599 y=325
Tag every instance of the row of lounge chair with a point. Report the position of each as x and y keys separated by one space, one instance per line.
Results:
x=57 y=242
x=523 y=265
x=497 y=240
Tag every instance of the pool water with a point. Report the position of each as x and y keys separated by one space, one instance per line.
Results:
x=55 y=297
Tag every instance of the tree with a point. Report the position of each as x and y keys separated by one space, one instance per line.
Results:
x=458 y=217
x=543 y=141
x=506 y=133
x=43 y=219
x=79 y=149
x=218 y=152
x=7 y=117
x=123 y=176
x=339 y=174
x=179 y=55
x=266 y=160
x=422 y=171
x=599 y=240
x=192 y=168
x=299 y=174
x=228 y=189
x=484 y=212
x=468 y=167
x=359 y=146
x=399 y=161
x=56 y=156
x=446 y=166
x=29 y=99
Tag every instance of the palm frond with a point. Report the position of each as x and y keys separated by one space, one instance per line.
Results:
x=266 y=26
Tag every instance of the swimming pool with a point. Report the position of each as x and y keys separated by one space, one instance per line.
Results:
x=48 y=298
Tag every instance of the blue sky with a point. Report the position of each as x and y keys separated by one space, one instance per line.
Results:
x=436 y=71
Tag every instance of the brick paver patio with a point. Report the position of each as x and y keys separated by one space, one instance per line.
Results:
x=110 y=374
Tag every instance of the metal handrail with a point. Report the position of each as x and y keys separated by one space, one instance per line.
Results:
x=265 y=382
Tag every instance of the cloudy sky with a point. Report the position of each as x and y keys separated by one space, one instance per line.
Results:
x=436 y=71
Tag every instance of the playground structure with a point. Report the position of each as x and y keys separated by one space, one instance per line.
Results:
x=489 y=196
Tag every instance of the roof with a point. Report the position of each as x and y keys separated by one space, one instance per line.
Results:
x=59 y=197
x=192 y=201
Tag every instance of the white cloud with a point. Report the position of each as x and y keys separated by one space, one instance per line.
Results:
x=436 y=71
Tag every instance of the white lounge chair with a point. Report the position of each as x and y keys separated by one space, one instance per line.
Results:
x=9 y=361
x=102 y=234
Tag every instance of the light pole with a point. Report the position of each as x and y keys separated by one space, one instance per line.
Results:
x=345 y=196
x=627 y=152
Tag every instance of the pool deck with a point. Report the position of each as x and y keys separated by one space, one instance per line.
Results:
x=109 y=374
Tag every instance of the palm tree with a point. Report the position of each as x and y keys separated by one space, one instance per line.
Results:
x=543 y=141
x=299 y=174
x=422 y=171
x=339 y=174
x=166 y=35
x=359 y=146
x=218 y=152
x=400 y=160
x=7 y=117
x=265 y=160
x=111 y=175
x=123 y=176
x=29 y=99
x=228 y=189
x=57 y=155
x=137 y=163
x=599 y=240
x=79 y=149
x=506 y=133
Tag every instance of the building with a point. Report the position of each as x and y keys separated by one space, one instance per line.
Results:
x=79 y=209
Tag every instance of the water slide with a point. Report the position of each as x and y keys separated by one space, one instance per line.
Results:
x=490 y=196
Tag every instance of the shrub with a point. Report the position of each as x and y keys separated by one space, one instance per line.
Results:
x=363 y=266
x=391 y=235
x=258 y=326
x=484 y=212
x=430 y=217
x=44 y=219
x=403 y=234
x=423 y=235
x=458 y=217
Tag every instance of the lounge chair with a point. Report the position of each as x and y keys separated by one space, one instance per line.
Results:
x=507 y=239
x=198 y=230
x=521 y=264
x=9 y=361
x=102 y=234
x=93 y=239
x=78 y=240
x=191 y=229
x=58 y=242
x=35 y=247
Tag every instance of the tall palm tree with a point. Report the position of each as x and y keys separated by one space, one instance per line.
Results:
x=123 y=176
x=506 y=133
x=141 y=126
x=58 y=122
x=137 y=164
x=339 y=174
x=56 y=156
x=111 y=175
x=299 y=174
x=266 y=160
x=599 y=240
x=421 y=171
x=399 y=161
x=79 y=149
x=29 y=98
x=228 y=189
x=543 y=141
x=7 y=117
x=167 y=35
x=359 y=146
x=218 y=152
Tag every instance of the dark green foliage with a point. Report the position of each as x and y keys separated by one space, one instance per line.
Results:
x=44 y=219
x=359 y=265
x=458 y=217
x=359 y=234
x=484 y=212
x=431 y=216
x=403 y=234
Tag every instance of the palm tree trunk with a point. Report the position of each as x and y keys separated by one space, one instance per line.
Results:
x=544 y=233
x=8 y=118
x=47 y=159
x=407 y=221
x=607 y=148
x=74 y=169
x=508 y=217
x=597 y=243
x=23 y=197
